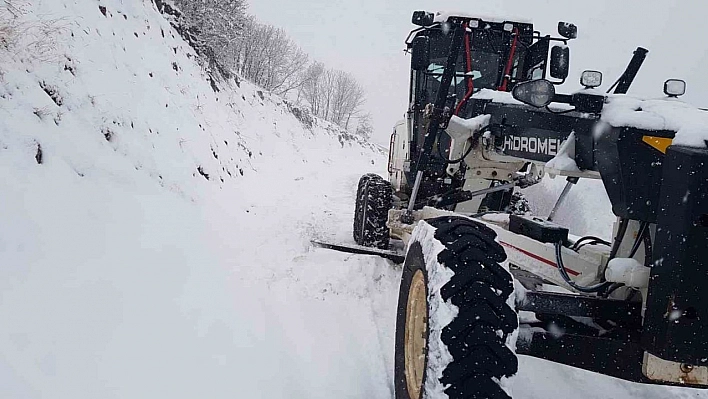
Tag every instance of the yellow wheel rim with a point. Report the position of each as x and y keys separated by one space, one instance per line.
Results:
x=416 y=335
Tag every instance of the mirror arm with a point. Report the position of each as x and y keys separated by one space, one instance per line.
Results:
x=409 y=39
x=563 y=98
x=553 y=39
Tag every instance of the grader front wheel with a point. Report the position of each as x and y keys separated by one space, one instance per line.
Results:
x=476 y=338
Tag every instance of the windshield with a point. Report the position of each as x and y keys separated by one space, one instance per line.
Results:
x=485 y=71
x=487 y=62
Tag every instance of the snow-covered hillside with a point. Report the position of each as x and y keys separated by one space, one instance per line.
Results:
x=158 y=243
x=154 y=233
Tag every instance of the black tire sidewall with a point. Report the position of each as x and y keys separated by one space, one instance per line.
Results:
x=359 y=208
x=370 y=229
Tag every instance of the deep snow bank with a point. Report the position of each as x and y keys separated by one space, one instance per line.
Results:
x=154 y=234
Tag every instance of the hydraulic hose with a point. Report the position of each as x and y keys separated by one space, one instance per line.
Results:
x=621 y=231
x=453 y=161
x=470 y=81
x=591 y=240
x=510 y=61
x=561 y=268
x=640 y=239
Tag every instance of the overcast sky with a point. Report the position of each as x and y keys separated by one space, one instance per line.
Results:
x=365 y=37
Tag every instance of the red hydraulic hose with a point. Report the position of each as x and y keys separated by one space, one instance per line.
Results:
x=470 y=82
x=510 y=61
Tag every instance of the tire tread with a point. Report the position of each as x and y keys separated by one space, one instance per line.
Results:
x=476 y=338
x=373 y=200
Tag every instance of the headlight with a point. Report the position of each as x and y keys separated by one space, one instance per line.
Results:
x=591 y=79
x=538 y=93
x=674 y=87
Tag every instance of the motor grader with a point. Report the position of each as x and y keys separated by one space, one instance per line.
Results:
x=481 y=282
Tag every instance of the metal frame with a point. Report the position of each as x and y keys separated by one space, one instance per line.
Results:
x=620 y=312
x=394 y=256
x=597 y=334
x=617 y=358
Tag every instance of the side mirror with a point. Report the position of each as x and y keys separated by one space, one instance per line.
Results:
x=420 y=53
x=423 y=18
x=567 y=30
x=674 y=88
x=560 y=62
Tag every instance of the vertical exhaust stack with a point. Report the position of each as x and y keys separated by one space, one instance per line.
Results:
x=625 y=81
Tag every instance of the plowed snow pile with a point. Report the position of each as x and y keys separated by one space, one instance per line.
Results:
x=154 y=233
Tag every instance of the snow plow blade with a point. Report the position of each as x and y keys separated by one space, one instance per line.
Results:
x=394 y=256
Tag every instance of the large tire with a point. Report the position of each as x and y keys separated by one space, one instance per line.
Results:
x=374 y=198
x=454 y=261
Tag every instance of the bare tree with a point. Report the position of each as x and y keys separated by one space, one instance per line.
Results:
x=288 y=76
x=335 y=96
x=311 y=87
x=327 y=92
x=214 y=24
x=268 y=57
x=348 y=98
x=364 y=128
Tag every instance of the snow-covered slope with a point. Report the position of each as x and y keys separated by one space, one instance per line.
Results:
x=154 y=233
x=159 y=245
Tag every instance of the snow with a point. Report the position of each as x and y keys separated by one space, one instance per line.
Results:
x=127 y=273
x=503 y=97
x=471 y=125
x=498 y=218
x=442 y=313
x=689 y=122
x=496 y=96
x=519 y=293
x=628 y=271
x=564 y=160
x=594 y=91
x=442 y=16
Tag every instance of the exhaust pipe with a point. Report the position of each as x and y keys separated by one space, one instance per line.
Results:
x=623 y=83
